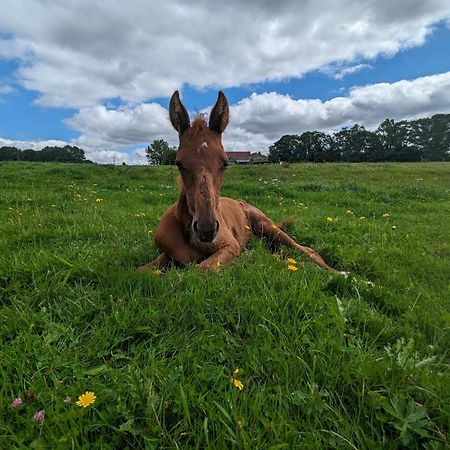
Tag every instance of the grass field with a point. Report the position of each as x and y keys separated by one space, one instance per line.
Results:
x=253 y=357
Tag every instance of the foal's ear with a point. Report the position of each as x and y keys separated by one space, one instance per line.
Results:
x=218 y=120
x=178 y=114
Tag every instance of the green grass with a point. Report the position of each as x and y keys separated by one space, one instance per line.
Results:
x=326 y=362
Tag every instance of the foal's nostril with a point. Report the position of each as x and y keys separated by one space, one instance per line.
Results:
x=205 y=231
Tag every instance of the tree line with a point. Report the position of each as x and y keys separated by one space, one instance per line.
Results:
x=66 y=154
x=415 y=140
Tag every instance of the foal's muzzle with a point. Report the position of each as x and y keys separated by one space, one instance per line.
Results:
x=205 y=231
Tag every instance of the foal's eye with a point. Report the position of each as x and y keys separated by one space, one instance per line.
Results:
x=225 y=164
x=179 y=165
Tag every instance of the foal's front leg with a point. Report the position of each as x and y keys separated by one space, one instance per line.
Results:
x=169 y=238
x=222 y=256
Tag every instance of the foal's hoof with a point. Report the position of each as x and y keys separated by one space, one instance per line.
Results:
x=144 y=268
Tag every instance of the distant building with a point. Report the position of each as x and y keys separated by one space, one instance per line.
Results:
x=246 y=158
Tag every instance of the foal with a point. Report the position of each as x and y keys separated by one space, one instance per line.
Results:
x=201 y=226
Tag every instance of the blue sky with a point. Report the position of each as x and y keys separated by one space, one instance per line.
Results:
x=85 y=85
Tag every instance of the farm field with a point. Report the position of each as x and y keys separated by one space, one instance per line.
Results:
x=253 y=357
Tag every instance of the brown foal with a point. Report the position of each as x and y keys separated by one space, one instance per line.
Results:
x=202 y=227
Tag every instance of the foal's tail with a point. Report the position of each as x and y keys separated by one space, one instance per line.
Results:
x=286 y=225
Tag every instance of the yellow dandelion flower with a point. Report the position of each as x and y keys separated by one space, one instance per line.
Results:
x=98 y=200
x=218 y=265
x=293 y=268
x=235 y=372
x=330 y=219
x=349 y=211
x=362 y=218
x=87 y=399
x=157 y=272
x=292 y=261
x=385 y=216
x=237 y=384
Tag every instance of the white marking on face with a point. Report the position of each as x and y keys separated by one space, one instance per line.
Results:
x=204 y=144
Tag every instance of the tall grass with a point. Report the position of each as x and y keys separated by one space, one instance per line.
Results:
x=325 y=362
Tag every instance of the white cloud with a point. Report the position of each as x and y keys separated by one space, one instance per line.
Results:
x=102 y=156
x=256 y=121
x=338 y=72
x=6 y=89
x=34 y=145
x=272 y=114
x=117 y=157
x=80 y=54
x=77 y=53
x=128 y=126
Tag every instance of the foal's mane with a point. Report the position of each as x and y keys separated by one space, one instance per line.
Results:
x=199 y=124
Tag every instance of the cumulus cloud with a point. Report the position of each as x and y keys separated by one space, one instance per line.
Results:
x=77 y=53
x=81 y=54
x=6 y=89
x=101 y=127
x=102 y=156
x=34 y=145
x=338 y=72
x=273 y=114
x=256 y=121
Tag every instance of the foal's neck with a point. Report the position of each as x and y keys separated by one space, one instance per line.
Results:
x=183 y=215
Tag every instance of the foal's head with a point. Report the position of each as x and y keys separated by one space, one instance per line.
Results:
x=201 y=160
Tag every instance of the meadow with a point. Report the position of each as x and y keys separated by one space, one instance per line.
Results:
x=253 y=357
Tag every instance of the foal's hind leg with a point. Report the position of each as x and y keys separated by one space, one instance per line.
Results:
x=263 y=226
x=162 y=261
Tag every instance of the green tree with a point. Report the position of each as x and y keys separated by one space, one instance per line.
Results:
x=436 y=137
x=160 y=153
x=10 y=153
x=357 y=144
x=318 y=146
x=289 y=148
x=398 y=140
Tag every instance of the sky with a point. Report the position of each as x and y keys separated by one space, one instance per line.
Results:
x=99 y=74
